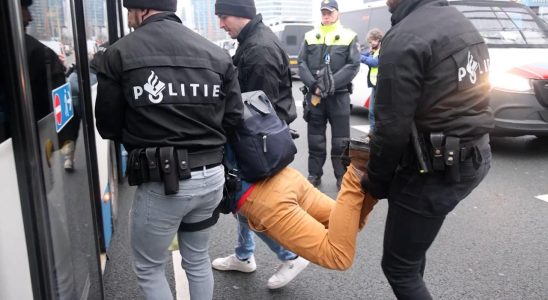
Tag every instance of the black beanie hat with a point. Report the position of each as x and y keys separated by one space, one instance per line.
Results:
x=238 y=8
x=26 y=3
x=161 y=5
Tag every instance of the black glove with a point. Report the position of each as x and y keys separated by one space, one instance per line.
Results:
x=294 y=134
x=377 y=190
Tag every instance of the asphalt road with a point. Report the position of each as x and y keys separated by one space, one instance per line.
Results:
x=492 y=246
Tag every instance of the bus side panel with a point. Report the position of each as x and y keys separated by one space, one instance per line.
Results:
x=15 y=282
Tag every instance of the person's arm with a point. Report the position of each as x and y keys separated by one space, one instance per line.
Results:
x=399 y=89
x=263 y=72
x=110 y=105
x=232 y=100
x=370 y=60
x=344 y=75
x=304 y=71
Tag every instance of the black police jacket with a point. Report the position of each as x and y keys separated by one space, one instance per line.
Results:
x=263 y=65
x=164 y=85
x=433 y=69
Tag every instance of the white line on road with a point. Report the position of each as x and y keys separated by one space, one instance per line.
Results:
x=543 y=197
x=362 y=128
x=181 y=282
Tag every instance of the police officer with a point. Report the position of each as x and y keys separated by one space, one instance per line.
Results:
x=169 y=96
x=437 y=78
x=340 y=45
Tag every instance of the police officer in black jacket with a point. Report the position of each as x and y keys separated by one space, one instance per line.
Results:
x=434 y=77
x=170 y=96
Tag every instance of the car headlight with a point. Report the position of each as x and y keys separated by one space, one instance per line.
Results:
x=511 y=83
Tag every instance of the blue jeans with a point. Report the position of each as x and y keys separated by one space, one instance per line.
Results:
x=246 y=243
x=155 y=220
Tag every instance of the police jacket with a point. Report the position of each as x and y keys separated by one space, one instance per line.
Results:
x=341 y=45
x=435 y=75
x=263 y=65
x=164 y=85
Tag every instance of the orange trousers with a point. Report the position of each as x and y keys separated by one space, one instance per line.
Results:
x=291 y=211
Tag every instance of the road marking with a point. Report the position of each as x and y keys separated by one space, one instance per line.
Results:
x=362 y=128
x=181 y=282
x=542 y=197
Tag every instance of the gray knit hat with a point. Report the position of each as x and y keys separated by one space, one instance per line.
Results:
x=161 y=5
x=238 y=8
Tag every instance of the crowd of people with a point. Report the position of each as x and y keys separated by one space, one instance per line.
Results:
x=177 y=140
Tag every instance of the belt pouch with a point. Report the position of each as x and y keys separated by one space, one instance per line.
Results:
x=452 y=159
x=169 y=170
x=436 y=139
x=152 y=162
x=183 y=164
x=135 y=169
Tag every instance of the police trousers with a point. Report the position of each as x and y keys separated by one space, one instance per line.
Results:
x=417 y=206
x=288 y=209
x=336 y=110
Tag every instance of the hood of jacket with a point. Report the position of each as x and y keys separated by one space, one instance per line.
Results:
x=408 y=6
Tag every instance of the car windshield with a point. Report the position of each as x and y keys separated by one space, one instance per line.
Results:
x=506 y=25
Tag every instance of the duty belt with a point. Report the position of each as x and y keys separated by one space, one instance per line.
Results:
x=169 y=165
x=445 y=153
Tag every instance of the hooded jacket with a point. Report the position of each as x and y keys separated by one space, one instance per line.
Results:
x=435 y=76
x=263 y=65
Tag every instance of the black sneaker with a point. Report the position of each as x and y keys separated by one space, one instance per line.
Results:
x=315 y=180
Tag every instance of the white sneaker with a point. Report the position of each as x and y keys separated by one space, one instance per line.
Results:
x=286 y=271
x=69 y=165
x=232 y=263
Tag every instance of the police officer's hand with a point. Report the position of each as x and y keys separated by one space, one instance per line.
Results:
x=377 y=190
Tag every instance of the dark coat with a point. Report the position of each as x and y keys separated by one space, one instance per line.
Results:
x=263 y=65
x=165 y=85
x=435 y=76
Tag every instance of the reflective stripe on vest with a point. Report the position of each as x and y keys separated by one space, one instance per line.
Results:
x=332 y=35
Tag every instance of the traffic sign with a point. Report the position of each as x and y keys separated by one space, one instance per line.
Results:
x=62 y=106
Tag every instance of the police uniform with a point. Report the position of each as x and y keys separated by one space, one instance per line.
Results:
x=340 y=44
x=170 y=96
x=437 y=78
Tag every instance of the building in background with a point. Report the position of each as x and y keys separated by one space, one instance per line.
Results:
x=205 y=21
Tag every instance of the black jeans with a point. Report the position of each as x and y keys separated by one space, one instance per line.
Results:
x=417 y=206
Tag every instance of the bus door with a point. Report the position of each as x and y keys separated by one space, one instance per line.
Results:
x=48 y=121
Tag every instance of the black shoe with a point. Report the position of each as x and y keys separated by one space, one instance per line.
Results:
x=315 y=180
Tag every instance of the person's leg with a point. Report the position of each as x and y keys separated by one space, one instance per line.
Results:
x=339 y=118
x=407 y=236
x=287 y=216
x=282 y=253
x=242 y=259
x=246 y=243
x=155 y=219
x=417 y=208
x=316 y=125
x=207 y=193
